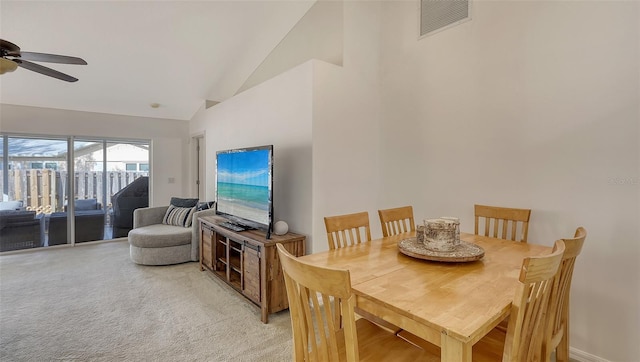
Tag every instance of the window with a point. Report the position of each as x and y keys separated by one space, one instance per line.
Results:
x=36 y=165
x=131 y=167
x=144 y=167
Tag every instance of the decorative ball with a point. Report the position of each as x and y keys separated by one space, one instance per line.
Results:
x=280 y=228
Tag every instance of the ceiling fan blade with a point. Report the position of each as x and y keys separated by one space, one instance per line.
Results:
x=44 y=70
x=51 y=58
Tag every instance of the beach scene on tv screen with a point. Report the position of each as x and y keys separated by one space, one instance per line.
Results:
x=243 y=184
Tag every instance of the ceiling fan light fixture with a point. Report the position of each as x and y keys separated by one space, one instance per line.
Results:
x=7 y=66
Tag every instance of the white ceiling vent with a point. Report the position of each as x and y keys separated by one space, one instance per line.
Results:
x=437 y=15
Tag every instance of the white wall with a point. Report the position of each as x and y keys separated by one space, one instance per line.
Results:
x=346 y=162
x=346 y=126
x=168 y=139
x=305 y=42
x=276 y=112
x=534 y=105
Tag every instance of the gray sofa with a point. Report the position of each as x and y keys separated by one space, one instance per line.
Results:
x=153 y=243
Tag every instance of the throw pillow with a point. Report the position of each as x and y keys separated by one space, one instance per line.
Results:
x=206 y=205
x=178 y=216
x=10 y=205
x=179 y=202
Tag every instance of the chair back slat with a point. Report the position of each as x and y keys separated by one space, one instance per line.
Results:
x=397 y=220
x=503 y=222
x=347 y=230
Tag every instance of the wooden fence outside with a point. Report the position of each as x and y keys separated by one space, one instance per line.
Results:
x=46 y=190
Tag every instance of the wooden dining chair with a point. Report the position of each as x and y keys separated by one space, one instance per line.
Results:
x=347 y=230
x=502 y=222
x=397 y=220
x=558 y=334
x=525 y=334
x=311 y=291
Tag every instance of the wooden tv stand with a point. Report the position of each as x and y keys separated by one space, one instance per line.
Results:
x=248 y=262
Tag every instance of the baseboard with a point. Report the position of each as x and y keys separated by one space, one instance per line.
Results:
x=582 y=356
x=45 y=248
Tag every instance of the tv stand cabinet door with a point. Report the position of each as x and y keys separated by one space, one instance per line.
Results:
x=251 y=272
x=206 y=247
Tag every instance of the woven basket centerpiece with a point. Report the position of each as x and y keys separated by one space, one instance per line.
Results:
x=441 y=234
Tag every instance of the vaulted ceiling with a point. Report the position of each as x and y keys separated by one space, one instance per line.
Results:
x=177 y=54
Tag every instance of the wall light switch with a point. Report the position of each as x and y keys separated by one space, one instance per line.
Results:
x=172 y=180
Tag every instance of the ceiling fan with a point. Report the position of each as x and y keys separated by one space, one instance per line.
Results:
x=11 y=57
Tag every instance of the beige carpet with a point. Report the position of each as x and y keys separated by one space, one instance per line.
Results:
x=91 y=303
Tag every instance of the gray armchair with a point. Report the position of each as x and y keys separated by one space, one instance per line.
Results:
x=20 y=230
x=89 y=226
x=89 y=221
x=153 y=243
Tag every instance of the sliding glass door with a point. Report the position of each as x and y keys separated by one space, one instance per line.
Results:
x=34 y=174
x=45 y=180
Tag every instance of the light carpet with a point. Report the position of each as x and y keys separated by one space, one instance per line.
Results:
x=91 y=303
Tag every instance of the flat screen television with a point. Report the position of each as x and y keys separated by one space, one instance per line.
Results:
x=244 y=186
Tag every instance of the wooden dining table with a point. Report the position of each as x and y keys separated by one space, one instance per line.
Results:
x=450 y=304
